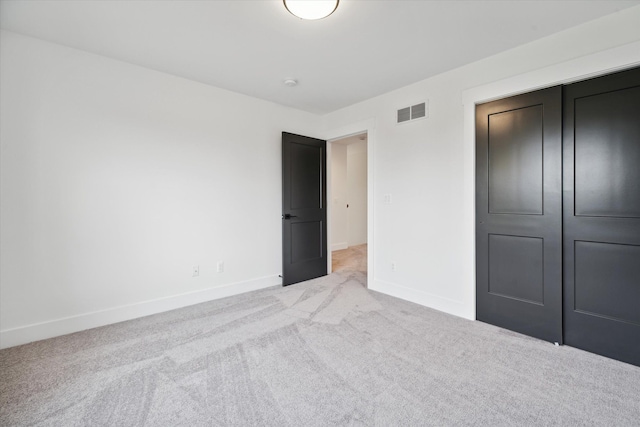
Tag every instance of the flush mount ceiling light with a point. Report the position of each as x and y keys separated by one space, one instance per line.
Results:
x=311 y=9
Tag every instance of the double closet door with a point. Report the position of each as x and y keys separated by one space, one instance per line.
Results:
x=558 y=214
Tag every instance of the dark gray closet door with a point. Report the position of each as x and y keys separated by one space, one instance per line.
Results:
x=519 y=213
x=602 y=215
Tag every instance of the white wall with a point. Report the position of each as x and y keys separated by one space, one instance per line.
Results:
x=339 y=195
x=116 y=180
x=357 y=192
x=427 y=166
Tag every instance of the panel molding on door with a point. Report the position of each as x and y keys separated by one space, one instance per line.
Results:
x=519 y=213
x=602 y=215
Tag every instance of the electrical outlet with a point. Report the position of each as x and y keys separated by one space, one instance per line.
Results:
x=387 y=199
x=196 y=271
x=393 y=266
x=220 y=268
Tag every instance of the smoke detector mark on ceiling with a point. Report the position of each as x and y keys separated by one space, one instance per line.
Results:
x=414 y=112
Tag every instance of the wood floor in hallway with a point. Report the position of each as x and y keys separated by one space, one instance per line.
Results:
x=353 y=258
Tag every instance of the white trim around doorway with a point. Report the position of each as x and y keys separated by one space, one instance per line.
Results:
x=368 y=127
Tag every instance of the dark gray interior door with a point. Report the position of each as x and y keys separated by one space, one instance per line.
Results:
x=602 y=215
x=519 y=213
x=304 y=213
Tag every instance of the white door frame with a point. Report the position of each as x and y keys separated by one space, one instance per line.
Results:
x=367 y=126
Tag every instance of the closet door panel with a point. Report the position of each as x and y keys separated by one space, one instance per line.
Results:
x=519 y=213
x=602 y=215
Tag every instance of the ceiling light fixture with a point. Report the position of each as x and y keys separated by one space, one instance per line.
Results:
x=290 y=82
x=311 y=9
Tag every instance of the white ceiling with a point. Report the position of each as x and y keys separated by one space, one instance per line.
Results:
x=364 y=49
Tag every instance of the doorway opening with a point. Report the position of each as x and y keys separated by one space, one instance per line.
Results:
x=348 y=234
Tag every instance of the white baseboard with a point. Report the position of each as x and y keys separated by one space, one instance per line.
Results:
x=67 y=325
x=457 y=308
x=339 y=246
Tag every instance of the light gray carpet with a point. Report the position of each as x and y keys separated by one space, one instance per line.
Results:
x=326 y=352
